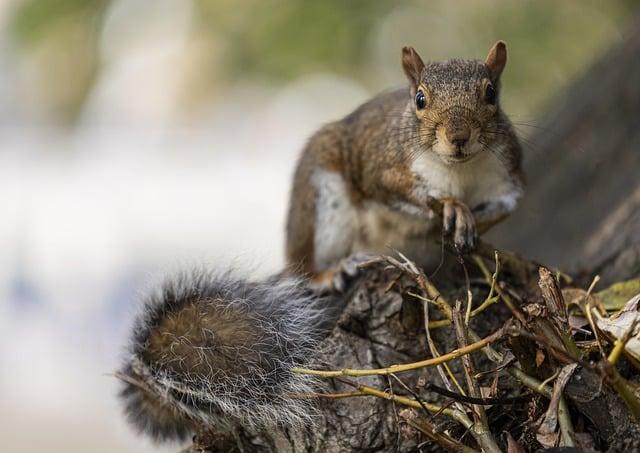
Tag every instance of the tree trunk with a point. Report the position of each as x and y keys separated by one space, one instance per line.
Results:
x=583 y=170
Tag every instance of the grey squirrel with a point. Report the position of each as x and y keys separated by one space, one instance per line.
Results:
x=211 y=349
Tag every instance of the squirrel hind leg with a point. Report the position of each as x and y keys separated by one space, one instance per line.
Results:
x=335 y=220
x=341 y=276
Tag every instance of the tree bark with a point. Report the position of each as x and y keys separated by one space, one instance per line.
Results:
x=383 y=325
x=583 y=170
x=380 y=326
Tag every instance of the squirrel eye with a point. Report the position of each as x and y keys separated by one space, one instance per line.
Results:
x=490 y=94
x=421 y=101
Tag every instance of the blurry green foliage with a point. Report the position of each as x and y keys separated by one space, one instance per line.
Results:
x=61 y=36
x=283 y=39
x=32 y=18
x=280 y=40
x=549 y=41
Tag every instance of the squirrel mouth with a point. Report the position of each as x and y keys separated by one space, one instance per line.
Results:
x=458 y=158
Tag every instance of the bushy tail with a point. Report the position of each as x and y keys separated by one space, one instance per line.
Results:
x=211 y=349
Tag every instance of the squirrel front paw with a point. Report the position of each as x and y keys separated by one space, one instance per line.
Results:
x=459 y=224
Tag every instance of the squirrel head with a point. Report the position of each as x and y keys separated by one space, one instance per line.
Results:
x=456 y=102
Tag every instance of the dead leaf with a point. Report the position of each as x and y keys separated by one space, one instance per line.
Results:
x=552 y=295
x=549 y=421
x=577 y=299
x=619 y=324
x=578 y=322
x=577 y=296
x=631 y=306
x=548 y=440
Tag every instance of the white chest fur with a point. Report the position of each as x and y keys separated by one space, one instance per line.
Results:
x=482 y=179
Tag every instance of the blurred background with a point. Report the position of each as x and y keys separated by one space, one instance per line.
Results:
x=140 y=136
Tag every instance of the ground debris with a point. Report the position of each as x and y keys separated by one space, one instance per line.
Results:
x=527 y=377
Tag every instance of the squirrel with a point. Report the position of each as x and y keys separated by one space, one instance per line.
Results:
x=441 y=156
x=367 y=182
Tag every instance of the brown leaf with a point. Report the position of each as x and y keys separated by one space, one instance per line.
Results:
x=548 y=440
x=579 y=300
x=578 y=296
x=578 y=322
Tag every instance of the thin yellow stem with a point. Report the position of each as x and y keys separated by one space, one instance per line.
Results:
x=456 y=353
x=456 y=415
x=435 y=353
x=447 y=322
x=621 y=342
x=489 y=278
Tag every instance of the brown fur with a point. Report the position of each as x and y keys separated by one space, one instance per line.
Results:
x=185 y=340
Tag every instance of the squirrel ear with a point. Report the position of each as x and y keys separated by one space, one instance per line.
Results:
x=413 y=66
x=497 y=59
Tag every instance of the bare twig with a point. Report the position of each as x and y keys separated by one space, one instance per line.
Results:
x=435 y=353
x=456 y=353
x=481 y=423
x=433 y=408
x=506 y=298
x=328 y=396
x=560 y=353
x=483 y=438
x=587 y=308
x=475 y=312
x=467 y=284
x=430 y=291
x=428 y=429
x=564 y=418
x=411 y=392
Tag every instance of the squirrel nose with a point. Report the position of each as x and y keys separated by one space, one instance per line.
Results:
x=459 y=142
x=459 y=137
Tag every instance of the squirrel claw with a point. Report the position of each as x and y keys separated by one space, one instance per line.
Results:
x=448 y=219
x=347 y=270
x=459 y=225
x=338 y=279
